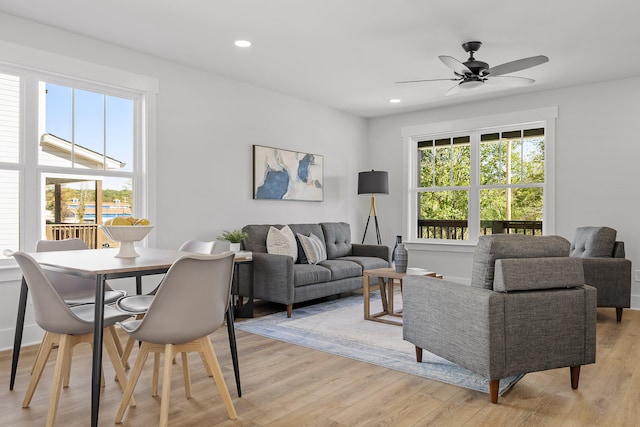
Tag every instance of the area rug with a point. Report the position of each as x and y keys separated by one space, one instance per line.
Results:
x=338 y=327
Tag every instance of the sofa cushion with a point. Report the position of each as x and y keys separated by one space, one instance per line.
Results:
x=590 y=242
x=367 y=262
x=313 y=248
x=308 y=274
x=337 y=236
x=499 y=246
x=282 y=242
x=342 y=269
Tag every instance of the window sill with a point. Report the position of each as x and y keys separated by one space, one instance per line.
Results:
x=443 y=246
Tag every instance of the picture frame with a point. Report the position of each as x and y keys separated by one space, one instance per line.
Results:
x=280 y=174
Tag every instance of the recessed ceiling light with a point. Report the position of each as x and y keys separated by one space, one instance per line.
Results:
x=395 y=100
x=242 y=43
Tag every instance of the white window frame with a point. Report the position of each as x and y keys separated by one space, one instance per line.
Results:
x=32 y=66
x=411 y=135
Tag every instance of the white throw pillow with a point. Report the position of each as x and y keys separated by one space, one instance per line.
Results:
x=313 y=248
x=282 y=242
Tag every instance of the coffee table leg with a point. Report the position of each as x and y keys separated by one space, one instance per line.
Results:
x=390 y=305
x=383 y=294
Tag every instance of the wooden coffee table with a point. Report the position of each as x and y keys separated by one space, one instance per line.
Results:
x=386 y=291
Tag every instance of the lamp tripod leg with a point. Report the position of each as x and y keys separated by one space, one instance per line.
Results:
x=372 y=211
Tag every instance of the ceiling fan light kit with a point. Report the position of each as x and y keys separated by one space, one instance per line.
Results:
x=474 y=73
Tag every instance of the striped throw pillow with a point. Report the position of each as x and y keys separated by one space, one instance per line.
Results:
x=314 y=248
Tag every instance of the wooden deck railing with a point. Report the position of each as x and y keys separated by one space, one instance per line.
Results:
x=87 y=232
x=459 y=230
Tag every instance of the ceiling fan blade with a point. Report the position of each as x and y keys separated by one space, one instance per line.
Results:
x=453 y=90
x=512 y=81
x=517 y=65
x=457 y=66
x=427 y=80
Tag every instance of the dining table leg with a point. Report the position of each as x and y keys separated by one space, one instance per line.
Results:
x=17 y=339
x=234 y=349
x=96 y=366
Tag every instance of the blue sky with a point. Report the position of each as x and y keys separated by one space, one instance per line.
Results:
x=96 y=115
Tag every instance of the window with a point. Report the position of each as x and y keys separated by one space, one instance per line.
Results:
x=9 y=160
x=78 y=162
x=485 y=180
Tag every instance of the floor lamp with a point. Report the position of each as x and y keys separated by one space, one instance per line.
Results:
x=373 y=182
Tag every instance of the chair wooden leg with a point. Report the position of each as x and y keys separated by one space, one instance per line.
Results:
x=186 y=375
x=156 y=368
x=67 y=366
x=210 y=354
x=116 y=339
x=575 y=376
x=112 y=350
x=39 y=351
x=166 y=385
x=64 y=348
x=126 y=353
x=619 y=314
x=494 y=386
x=143 y=353
x=206 y=365
x=36 y=372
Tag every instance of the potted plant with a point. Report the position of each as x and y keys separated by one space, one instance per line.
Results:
x=234 y=237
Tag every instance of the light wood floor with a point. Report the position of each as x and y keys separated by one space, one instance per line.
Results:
x=288 y=385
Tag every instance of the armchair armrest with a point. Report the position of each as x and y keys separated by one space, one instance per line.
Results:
x=273 y=277
x=379 y=251
x=454 y=321
x=612 y=278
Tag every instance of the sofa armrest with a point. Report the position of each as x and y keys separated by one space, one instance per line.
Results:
x=612 y=278
x=273 y=277
x=454 y=321
x=379 y=251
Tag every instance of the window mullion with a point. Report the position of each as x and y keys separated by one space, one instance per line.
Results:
x=474 y=190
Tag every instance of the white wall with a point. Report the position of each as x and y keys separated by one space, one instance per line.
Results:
x=206 y=125
x=597 y=164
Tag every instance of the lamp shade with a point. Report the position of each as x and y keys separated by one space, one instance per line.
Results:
x=373 y=182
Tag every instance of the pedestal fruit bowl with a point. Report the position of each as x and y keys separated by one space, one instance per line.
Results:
x=126 y=235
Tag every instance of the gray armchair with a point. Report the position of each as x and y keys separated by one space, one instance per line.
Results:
x=527 y=310
x=605 y=266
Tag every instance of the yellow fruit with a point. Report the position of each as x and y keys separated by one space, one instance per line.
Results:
x=142 y=221
x=130 y=220
x=120 y=220
x=109 y=222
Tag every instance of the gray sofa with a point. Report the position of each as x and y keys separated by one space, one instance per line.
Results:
x=278 y=279
x=527 y=310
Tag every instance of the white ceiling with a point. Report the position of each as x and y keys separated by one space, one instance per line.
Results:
x=346 y=54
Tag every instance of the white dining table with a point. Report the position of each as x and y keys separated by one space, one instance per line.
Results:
x=102 y=265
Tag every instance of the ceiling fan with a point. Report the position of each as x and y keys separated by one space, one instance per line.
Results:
x=473 y=73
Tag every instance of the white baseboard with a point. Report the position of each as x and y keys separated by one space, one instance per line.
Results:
x=31 y=335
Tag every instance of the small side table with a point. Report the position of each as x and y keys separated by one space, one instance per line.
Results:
x=246 y=309
x=386 y=291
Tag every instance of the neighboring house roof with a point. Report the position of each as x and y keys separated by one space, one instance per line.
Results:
x=79 y=151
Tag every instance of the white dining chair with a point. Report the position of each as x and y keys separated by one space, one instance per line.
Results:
x=65 y=326
x=189 y=305
x=137 y=305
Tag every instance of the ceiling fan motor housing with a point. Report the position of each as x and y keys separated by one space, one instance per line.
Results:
x=478 y=68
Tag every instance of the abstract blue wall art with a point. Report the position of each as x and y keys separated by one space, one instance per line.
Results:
x=287 y=175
